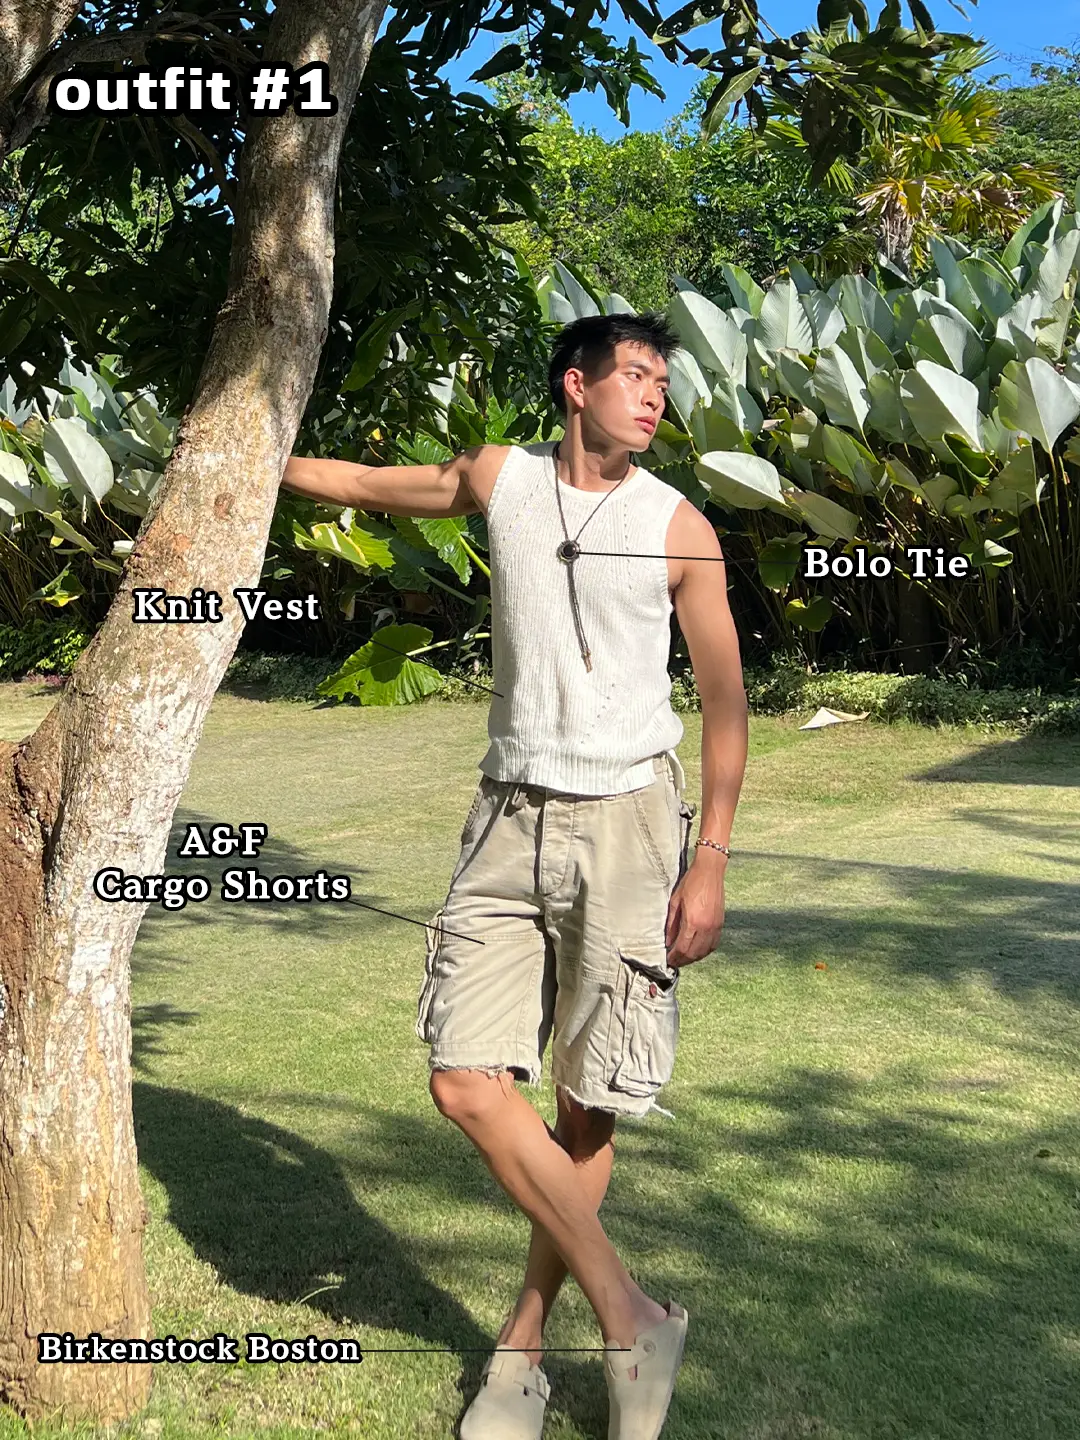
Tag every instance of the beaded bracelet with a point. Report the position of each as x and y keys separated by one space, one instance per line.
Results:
x=714 y=845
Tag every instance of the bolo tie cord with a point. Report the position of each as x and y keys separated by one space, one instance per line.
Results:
x=568 y=552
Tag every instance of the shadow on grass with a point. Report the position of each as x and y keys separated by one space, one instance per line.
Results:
x=276 y=1218
x=170 y=937
x=1024 y=760
x=932 y=1292
x=1023 y=934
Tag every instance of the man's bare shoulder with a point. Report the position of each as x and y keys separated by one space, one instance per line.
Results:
x=481 y=465
x=690 y=533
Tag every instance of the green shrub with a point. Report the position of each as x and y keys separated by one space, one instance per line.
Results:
x=40 y=647
x=783 y=690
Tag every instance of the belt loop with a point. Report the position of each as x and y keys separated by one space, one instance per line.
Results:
x=518 y=796
x=678 y=774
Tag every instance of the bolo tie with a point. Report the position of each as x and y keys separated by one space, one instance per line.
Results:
x=568 y=551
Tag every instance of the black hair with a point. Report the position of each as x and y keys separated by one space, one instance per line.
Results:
x=586 y=343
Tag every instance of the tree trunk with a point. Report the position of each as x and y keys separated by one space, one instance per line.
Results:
x=28 y=28
x=98 y=782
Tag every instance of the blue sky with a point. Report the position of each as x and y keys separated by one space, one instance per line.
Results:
x=1016 y=30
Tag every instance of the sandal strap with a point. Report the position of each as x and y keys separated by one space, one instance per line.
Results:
x=513 y=1368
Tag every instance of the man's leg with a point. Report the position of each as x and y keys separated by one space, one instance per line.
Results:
x=544 y=1182
x=587 y=1136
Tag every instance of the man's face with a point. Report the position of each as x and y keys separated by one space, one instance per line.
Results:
x=623 y=399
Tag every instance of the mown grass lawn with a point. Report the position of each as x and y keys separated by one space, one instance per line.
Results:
x=868 y=1197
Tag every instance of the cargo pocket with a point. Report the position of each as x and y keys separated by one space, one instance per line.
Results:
x=427 y=989
x=474 y=808
x=645 y=1021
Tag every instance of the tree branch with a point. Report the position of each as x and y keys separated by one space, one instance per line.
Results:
x=18 y=123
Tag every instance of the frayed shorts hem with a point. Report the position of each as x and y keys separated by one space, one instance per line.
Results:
x=629 y=1106
x=449 y=1059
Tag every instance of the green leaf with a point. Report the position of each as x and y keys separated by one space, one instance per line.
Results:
x=840 y=388
x=747 y=292
x=949 y=340
x=1017 y=485
x=16 y=490
x=826 y=517
x=940 y=403
x=381 y=672
x=372 y=343
x=812 y=616
x=710 y=334
x=746 y=482
x=508 y=58
x=793 y=378
x=938 y=489
x=778 y=560
x=1034 y=399
x=824 y=315
x=724 y=97
x=60 y=591
x=358 y=547
x=75 y=458
x=782 y=322
x=444 y=536
x=736 y=403
x=985 y=552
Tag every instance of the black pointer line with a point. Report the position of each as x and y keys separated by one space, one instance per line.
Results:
x=486 y=1349
x=406 y=656
x=440 y=928
x=636 y=555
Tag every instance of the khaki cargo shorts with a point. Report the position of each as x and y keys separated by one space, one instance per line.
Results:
x=569 y=895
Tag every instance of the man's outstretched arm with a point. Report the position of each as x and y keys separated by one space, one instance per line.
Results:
x=696 y=913
x=425 y=491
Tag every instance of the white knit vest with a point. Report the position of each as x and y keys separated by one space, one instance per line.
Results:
x=553 y=723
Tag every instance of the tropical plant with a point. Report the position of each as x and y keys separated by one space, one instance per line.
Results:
x=942 y=414
x=924 y=176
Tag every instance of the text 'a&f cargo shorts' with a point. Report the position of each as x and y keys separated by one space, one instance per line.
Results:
x=569 y=895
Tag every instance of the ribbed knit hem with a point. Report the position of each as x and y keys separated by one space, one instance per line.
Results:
x=567 y=774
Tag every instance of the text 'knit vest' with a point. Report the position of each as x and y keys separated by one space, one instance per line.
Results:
x=554 y=723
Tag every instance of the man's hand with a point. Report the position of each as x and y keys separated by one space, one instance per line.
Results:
x=695 y=915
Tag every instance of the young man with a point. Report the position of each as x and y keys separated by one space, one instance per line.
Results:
x=573 y=868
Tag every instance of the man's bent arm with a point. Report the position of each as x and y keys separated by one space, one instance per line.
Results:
x=418 y=490
x=706 y=622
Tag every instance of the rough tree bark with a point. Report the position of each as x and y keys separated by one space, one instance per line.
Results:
x=98 y=782
x=28 y=28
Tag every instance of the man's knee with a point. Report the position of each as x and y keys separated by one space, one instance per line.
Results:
x=466 y=1096
x=581 y=1130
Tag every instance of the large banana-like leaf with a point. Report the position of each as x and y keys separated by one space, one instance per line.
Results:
x=1017 y=485
x=940 y=403
x=826 y=517
x=1056 y=275
x=781 y=322
x=746 y=292
x=572 y=284
x=735 y=402
x=746 y=481
x=825 y=316
x=957 y=289
x=689 y=384
x=840 y=388
x=948 y=340
x=75 y=458
x=793 y=378
x=990 y=285
x=710 y=334
x=863 y=304
x=1035 y=399
x=16 y=491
